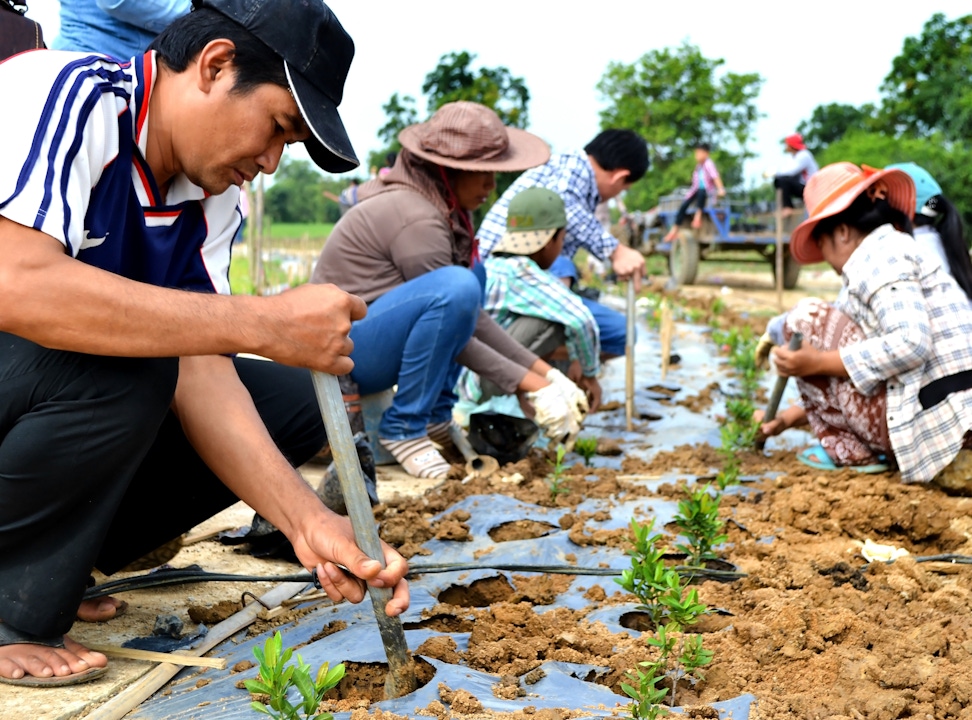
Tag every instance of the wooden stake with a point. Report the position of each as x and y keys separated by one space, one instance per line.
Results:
x=132 y=696
x=629 y=359
x=159 y=657
x=667 y=324
x=779 y=249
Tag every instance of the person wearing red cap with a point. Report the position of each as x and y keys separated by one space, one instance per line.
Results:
x=792 y=178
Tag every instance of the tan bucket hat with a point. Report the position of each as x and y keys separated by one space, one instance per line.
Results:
x=834 y=188
x=469 y=136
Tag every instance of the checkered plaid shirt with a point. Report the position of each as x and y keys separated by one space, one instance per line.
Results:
x=918 y=325
x=571 y=176
x=516 y=286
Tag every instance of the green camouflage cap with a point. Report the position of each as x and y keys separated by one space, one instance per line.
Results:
x=532 y=219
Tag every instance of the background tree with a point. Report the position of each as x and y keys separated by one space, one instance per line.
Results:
x=675 y=98
x=828 y=123
x=455 y=78
x=928 y=90
x=297 y=194
x=925 y=114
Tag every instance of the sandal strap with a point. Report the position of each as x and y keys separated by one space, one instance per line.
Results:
x=12 y=636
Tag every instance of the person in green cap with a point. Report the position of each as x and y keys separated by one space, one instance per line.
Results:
x=532 y=305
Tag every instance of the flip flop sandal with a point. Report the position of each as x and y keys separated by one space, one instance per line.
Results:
x=11 y=636
x=817 y=458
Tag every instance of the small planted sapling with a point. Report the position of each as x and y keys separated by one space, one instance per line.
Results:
x=277 y=678
x=557 y=479
x=698 y=519
x=642 y=688
x=586 y=447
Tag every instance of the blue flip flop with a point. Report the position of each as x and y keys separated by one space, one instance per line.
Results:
x=817 y=458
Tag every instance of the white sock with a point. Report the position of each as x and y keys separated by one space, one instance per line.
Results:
x=439 y=434
x=418 y=456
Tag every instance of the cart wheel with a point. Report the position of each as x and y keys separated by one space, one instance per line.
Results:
x=791 y=270
x=683 y=258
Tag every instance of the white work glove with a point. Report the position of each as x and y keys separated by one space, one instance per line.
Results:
x=554 y=415
x=576 y=398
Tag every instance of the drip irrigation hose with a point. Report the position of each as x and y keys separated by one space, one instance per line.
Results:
x=168 y=578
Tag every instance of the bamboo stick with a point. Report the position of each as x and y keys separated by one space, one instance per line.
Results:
x=159 y=657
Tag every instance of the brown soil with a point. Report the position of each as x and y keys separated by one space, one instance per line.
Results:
x=364 y=683
x=214 y=614
x=813 y=631
x=520 y=530
x=701 y=402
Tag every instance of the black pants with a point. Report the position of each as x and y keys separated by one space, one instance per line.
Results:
x=95 y=470
x=698 y=198
x=792 y=186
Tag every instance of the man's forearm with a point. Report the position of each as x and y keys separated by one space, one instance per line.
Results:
x=64 y=304
x=223 y=426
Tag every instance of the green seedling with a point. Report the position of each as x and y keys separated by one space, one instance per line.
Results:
x=557 y=480
x=277 y=678
x=586 y=447
x=646 y=696
x=698 y=519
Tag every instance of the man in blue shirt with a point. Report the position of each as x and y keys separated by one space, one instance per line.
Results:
x=119 y=184
x=609 y=164
x=119 y=28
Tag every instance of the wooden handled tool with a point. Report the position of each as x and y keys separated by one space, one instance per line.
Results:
x=796 y=342
x=476 y=464
x=629 y=357
x=401 y=675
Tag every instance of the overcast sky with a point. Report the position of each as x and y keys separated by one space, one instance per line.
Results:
x=808 y=53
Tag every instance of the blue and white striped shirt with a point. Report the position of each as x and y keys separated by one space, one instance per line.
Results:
x=72 y=166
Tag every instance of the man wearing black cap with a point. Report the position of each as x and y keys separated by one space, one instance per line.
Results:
x=119 y=391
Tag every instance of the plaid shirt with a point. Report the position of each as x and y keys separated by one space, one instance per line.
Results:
x=918 y=324
x=515 y=287
x=571 y=176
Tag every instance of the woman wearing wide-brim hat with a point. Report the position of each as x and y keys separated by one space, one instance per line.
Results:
x=885 y=373
x=407 y=248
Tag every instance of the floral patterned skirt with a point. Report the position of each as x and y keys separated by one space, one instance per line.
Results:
x=853 y=428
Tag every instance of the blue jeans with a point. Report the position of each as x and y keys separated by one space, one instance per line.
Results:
x=411 y=337
x=612 y=325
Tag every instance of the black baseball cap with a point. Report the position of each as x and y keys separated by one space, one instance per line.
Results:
x=317 y=53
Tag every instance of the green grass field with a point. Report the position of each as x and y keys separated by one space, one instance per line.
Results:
x=298 y=231
x=240 y=275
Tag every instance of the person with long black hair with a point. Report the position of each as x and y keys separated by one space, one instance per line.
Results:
x=885 y=372
x=938 y=225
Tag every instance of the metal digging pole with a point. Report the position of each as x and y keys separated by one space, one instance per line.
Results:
x=401 y=669
x=779 y=248
x=629 y=356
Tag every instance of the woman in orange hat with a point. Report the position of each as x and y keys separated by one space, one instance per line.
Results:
x=887 y=369
x=407 y=248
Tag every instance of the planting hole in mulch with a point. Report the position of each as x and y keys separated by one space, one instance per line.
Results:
x=479 y=593
x=366 y=682
x=520 y=530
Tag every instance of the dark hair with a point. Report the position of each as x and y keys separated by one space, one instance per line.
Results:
x=620 y=150
x=390 y=159
x=864 y=215
x=255 y=63
x=948 y=223
x=703 y=146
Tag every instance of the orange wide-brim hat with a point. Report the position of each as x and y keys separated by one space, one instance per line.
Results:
x=834 y=188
